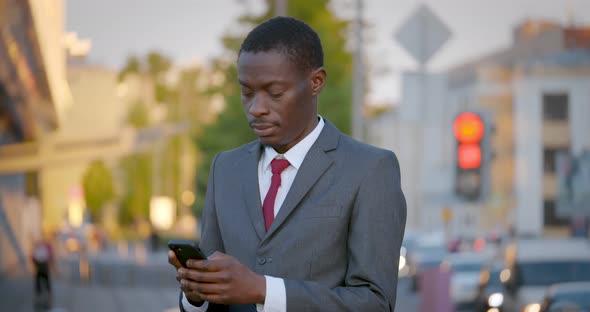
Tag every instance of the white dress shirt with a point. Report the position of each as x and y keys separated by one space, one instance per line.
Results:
x=276 y=294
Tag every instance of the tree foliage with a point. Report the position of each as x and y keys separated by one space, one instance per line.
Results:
x=132 y=66
x=181 y=100
x=136 y=174
x=98 y=188
x=138 y=188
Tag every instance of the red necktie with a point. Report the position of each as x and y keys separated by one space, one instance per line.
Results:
x=268 y=207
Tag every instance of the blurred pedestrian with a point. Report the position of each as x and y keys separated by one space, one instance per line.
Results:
x=154 y=239
x=305 y=218
x=44 y=263
x=580 y=226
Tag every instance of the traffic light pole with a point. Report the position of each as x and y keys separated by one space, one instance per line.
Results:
x=419 y=190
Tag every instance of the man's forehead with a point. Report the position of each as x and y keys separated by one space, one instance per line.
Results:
x=270 y=57
x=265 y=68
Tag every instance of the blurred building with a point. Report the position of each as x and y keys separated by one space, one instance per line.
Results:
x=32 y=93
x=93 y=128
x=551 y=115
x=537 y=91
x=49 y=132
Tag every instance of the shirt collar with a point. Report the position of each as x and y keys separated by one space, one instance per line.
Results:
x=295 y=154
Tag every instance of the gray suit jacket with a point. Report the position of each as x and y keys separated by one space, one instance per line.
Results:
x=335 y=240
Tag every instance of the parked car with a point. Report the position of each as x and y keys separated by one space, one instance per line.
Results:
x=535 y=264
x=426 y=251
x=465 y=270
x=422 y=259
x=567 y=297
x=407 y=246
x=490 y=291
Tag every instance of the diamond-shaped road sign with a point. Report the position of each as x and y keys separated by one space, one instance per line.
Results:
x=423 y=34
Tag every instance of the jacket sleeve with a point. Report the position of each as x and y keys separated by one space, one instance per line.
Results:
x=376 y=231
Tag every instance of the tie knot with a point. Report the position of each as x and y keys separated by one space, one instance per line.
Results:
x=278 y=165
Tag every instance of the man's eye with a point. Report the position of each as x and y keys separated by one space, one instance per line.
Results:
x=276 y=95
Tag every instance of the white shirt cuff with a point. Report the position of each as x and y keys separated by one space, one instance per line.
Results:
x=276 y=296
x=188 y=307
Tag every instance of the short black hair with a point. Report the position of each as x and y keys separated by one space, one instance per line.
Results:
x=289 y=36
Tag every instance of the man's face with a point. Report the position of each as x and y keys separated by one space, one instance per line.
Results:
x=280 y=100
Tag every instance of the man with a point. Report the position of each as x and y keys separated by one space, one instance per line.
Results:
x=43 y=261
x=305 y=218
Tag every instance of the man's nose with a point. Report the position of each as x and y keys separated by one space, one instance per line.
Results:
x=258 y=105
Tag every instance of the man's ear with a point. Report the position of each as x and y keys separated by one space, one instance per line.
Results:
x=318 y=80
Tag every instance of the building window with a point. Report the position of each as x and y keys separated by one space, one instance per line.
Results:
x=549 y=157
x=555 y=106
x=550 y=213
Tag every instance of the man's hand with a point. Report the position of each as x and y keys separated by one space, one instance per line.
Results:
x=190 y=295
x=222 y=279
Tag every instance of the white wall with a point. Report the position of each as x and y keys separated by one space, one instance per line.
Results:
x=580 y=115
x=12 y=203
x=528 y=123
x=49 y=17
x=528 y=158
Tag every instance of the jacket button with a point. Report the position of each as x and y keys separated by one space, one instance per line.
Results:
x=261 y=260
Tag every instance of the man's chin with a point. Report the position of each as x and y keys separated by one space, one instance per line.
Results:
x=271 y=142
x=268 y=140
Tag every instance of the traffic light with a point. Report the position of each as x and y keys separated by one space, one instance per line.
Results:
x=469 y=130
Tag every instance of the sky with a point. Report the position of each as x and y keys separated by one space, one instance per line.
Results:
x=191 y=30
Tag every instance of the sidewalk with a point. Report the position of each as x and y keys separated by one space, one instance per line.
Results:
x=115 y=283
x=16 y=296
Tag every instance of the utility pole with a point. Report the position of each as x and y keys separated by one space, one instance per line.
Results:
x=281 y=7
x=358 y=81
x=422 y=35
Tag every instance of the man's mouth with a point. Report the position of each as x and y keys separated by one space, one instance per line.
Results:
x=262 y=130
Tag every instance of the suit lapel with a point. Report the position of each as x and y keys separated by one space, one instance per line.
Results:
x=316 y=162
x=250 y=189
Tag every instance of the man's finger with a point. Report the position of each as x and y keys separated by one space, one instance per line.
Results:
x=173 y=260
x=219 y=277
x=186 y=289
x=203 y=288
x=192 y=293
x=206 y=265
x=218 y=255
x=215 y=298
x=179 y=274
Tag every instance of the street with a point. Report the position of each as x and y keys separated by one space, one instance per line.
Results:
x=406 y=299
x=118 y=283
x=16 y=296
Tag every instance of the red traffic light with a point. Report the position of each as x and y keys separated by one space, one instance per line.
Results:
x=468 y=128
x=469 y=156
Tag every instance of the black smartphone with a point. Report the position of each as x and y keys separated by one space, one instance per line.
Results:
x=185 y=250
